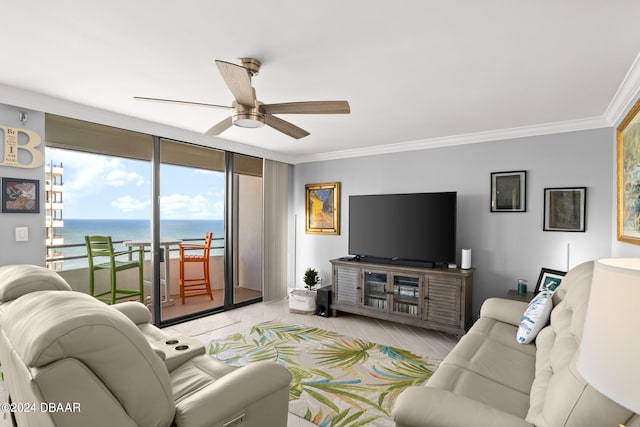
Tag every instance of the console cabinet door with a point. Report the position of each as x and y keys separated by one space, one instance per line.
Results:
x=375 y=288
x=442 y=300
x=347 y=285
x=405 y=294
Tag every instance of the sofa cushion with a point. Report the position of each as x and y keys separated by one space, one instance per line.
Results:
x=502 y=333
x=489 y=366
x=429 y=406
x=535 y=317
x=21 y=279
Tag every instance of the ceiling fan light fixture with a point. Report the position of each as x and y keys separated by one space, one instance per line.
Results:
x=250 y=113
x=248 y=120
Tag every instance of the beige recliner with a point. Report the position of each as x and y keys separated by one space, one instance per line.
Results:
x=70 y=360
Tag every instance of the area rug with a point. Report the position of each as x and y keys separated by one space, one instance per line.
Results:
x=337 y=380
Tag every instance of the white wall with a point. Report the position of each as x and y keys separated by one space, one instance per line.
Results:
x=32 y=251
x=506 y=246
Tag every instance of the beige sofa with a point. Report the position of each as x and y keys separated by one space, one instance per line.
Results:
x=71 y=360
x=490 y=380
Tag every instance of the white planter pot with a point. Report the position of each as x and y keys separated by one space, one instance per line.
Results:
x=302 y=300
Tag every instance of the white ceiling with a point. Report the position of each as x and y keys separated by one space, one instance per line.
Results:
x=417 y=73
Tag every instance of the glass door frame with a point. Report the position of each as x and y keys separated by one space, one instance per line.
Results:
x=229 y=244
x=156 y=297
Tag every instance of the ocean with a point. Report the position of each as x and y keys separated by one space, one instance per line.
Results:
x=74 y=231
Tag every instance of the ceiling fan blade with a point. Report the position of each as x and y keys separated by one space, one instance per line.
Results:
x=285 y=127
x=237 y=79
x=308 y=107
x=218 y=128
x=172 y=101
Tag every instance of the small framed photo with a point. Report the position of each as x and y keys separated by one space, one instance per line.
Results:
x=565 y=209
x=549 y=280
x=20 y=195
x=508 y=191
x=322 y=208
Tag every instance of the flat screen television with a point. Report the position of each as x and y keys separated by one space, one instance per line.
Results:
x=417 y=228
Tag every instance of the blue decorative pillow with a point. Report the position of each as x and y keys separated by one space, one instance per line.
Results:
x=535 y=317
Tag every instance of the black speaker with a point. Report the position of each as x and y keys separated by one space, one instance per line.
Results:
x=323 y=301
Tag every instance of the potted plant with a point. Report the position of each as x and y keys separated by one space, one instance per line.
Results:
x=311 y=279
x=304 y=300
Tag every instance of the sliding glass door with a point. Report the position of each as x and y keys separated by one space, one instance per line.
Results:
x=191 y=204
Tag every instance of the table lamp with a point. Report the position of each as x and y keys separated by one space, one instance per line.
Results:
x=608 y=358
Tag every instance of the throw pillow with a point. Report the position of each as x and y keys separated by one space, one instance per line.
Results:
x=535 y=317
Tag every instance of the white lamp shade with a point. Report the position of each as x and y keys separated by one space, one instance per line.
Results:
x=609 y=357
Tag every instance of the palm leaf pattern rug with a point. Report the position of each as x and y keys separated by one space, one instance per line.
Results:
x=337 y=380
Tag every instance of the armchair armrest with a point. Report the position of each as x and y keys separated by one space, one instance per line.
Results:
x=504 y=310
x=234 y=393
x=432 y=407
x=190 y=246
x=183 y=247
x=137 y=312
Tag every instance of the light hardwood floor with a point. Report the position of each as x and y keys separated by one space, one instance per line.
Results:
x=424 y=341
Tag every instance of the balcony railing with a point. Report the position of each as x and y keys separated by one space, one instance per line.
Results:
x=55 y=262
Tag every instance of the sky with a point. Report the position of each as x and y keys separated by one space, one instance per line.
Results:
x=103 y=187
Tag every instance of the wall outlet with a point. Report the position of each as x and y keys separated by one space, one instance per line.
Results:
x=22 y=234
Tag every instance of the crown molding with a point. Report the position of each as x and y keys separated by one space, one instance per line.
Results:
x=470 y=138
x=625 y=96
x=39 y=102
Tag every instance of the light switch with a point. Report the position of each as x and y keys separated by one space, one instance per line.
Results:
x=22 y=234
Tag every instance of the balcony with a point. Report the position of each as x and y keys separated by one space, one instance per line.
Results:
x=55 y=170
x=74 y=269
x=54 y=206
x=55 y=188
x=54 y=242
x=57 y=223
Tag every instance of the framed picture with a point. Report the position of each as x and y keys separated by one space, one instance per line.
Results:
x=628 y=176
x=565 y=209
x=508 y=191
x=549 y=279
x=322 y=208
x=20 y=195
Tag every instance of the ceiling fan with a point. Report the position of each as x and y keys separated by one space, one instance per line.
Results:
x=248 y=112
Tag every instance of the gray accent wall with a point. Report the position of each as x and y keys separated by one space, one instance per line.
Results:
x=505 y=246
x=32 y=251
